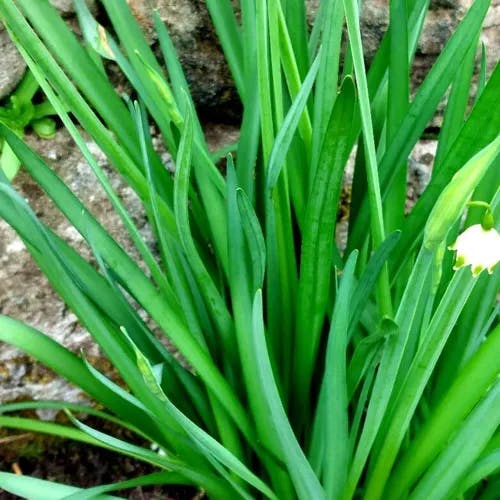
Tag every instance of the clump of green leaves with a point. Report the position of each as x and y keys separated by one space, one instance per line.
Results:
x=18 y=113
x=309 y=371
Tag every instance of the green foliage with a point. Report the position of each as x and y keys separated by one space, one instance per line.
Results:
x=18 y=113
x=310 y=368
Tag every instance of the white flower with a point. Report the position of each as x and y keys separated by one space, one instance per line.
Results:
x=156 y=448
x=477 y=247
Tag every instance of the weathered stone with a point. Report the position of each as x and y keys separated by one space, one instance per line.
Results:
x=438 y=27
x=207 y=73
x=420 y=165
x=491 y=34
x=66 y=7
x=12 y=65
x=209 y=78
x=190 y=27
x=374 y=22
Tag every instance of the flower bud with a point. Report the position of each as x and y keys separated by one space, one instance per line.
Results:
x=164 y=92
x=451 y=203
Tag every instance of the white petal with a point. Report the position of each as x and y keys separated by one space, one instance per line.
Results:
x=478 y=248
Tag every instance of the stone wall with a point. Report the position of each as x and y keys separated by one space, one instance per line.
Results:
x=25 y=293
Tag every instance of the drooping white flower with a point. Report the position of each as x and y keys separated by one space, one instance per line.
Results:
x=477 y=247
x=156 y=448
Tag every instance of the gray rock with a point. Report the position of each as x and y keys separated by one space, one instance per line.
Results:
x=419 y=170
x=209 y=78
x=12 y=65
x=491 y=34
x=66 y=8
x=207 y=73
x=200 y=54
x=374 y=22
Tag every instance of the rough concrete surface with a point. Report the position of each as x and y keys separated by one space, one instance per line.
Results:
x=200 y=54
x=12 y=65
x=25 y=293
x=66 y=8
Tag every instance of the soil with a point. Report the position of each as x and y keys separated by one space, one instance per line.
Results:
x=78 y=464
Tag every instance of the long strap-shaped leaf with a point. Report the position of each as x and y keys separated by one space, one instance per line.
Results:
x=280 y=255
x=33 y=49
x=181 y=473
x=146 y=76
x=389 y=366
x=152 y=300
x=65 y=47
x=417 y=377
x=295 y=14
x=425 y=103
x=142 y=289
x=90 y=282
x=30 y=487
x=304 y=479
x=76 y=60
x=288 y=129
x=217 y=310
x=372 y=174
x=377 y=79
x=479 y=130
x=486 y=466
x=318 y=243
x=328 y=74
x=156 y=478
x=433 y=87
x=471 y=383
x=447 y=472
x=249 y=143
x=91 y=315
x=75 y=211
x=336 y=446
x=397 y=105
x=290 y=62
x=213 y=483
x=209 y=446
x=241 y=283
x=213 y=299
x=229 y=35
x=72 y=368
